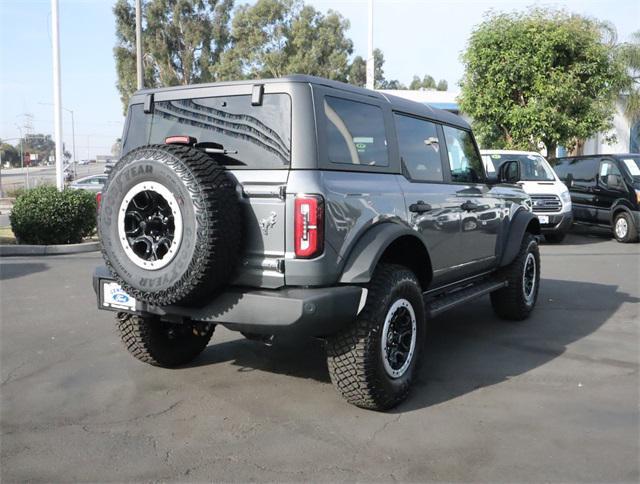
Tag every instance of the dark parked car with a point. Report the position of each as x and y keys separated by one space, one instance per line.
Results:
x=605 y=191
x=306 y=206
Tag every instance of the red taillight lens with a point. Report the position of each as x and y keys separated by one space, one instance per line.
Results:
x=180 y=140
x=309 y=226
x=98 y=199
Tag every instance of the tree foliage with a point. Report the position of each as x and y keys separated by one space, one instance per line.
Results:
x=9 y=154
x=273 y=38
x=543 y=76
x=630 y=56
x=183 y=41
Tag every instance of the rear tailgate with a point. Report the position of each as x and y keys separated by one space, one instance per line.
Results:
x=262 y=262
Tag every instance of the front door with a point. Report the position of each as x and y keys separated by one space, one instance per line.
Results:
x=607 y=190
x=481 y=211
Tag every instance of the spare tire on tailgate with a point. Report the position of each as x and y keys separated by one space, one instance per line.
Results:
x=170 y=223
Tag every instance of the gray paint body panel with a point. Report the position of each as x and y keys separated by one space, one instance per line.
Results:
x=366 y=208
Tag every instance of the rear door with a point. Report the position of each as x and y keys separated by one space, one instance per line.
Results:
x=252 y=128
x=432 y=211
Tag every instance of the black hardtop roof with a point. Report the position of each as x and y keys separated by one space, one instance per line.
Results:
x=601 y=155
x=397 y=103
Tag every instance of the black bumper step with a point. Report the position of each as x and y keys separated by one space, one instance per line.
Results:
x=440 y=304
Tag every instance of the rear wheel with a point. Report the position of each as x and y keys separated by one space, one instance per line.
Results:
x=160 y=343
x=373 y=362
x=517 y=300
x=624 y=228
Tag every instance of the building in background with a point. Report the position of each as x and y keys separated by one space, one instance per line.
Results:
x=627 y=134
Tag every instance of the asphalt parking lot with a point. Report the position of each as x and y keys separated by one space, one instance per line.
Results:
x=552 y=399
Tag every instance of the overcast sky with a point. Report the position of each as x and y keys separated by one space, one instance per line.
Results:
x=416 y=36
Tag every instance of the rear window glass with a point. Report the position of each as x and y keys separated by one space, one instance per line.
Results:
x=257 y=137
x=355 y=133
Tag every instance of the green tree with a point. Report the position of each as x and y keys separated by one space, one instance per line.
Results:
x=274 y=38
x=9 y=154
x=357 y=74
x=630 y=56
x=39 y=144
x=428 y=82
x=542 y=76
x=182 y=42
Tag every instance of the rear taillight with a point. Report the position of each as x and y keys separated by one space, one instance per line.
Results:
x=98 y=199
x=309 y=226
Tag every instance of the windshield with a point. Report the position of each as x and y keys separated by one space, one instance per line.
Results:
x=256 y=137
x=532 y=167
x=632 y=165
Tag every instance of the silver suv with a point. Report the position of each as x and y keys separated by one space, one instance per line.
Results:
x=307 y=206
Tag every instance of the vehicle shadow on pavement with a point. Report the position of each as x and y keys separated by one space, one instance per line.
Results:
x=583 y=235
x=13 y=270
x=298 y=357
x=467 y=348
x=470 y=348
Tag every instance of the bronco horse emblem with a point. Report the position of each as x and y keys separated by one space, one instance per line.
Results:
x=267 y=223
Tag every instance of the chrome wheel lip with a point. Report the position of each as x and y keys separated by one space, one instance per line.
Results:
x=621 y=228
x=171 y=200
x=529 y=274
x=397 y=373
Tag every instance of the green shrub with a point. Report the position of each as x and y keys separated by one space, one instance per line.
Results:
x=44 y=215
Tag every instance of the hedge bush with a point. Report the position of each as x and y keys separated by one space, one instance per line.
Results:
x=44 y=215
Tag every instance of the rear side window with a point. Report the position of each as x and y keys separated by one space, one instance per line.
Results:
x=464 y=159
x=355 y=133
x=581 y=170
x=258 y=137
x=419 y=148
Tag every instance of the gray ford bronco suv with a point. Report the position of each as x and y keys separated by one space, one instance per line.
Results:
x=306 y=206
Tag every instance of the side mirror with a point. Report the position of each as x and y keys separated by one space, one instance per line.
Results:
x=492 y=178
x=614 y=181
x=509 y=172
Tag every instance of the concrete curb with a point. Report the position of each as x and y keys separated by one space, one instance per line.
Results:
x=14 y=250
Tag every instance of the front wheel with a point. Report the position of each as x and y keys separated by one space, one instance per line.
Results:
x=160 y=343
x=624 y=228
x=374 y=361
x=517 y=300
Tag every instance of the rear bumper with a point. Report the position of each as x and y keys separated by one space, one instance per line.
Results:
x=312 y=311
x=558 y=222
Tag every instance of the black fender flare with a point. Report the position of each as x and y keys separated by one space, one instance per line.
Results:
x=520 y=222
x=367 y=251
x=619 y=205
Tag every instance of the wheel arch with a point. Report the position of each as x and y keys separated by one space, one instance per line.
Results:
x=619 y=206
x=390 y=243
x=522 y=222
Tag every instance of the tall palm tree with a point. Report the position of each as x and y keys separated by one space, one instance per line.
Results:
x=630 y=54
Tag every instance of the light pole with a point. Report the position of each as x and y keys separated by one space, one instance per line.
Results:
x=139 y=44
x=73 y=136
x=22 y=157
x=371 y=67
x=57 y=92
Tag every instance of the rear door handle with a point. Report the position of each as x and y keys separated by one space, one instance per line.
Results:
x=469 y=206
x=420 y=207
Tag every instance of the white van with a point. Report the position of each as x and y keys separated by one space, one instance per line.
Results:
x=550 y=197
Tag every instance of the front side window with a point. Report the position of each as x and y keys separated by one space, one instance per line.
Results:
x=355 y=133
x=464 y=159
x=419 y=148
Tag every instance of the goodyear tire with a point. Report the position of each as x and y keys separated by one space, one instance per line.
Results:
x=169 y=224
x=516 y=301
x=374 y=360
x=160 y=343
